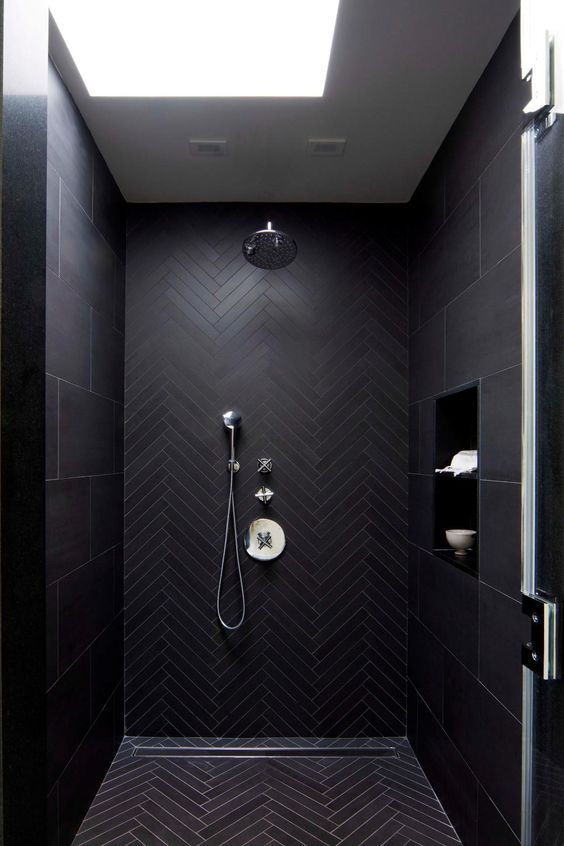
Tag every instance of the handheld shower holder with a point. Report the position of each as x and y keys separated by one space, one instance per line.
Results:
x=233 y=466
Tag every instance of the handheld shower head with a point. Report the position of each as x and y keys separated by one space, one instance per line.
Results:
x=232 y=420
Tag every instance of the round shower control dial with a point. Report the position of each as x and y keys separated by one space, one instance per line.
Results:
x=264 y=539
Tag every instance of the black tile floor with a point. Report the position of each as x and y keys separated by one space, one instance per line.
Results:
x=309 y=801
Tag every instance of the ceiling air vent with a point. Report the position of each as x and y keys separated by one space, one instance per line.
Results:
x=208 y=148
x=326 y=146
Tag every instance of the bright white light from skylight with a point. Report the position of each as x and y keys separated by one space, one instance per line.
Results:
x=199 y=48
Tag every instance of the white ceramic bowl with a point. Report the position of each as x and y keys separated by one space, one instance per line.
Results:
x=461 y=540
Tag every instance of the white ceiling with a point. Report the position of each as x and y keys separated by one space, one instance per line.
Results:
x=399 y=73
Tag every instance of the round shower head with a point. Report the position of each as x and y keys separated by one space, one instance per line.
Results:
x=232 y=419
x=269 y=249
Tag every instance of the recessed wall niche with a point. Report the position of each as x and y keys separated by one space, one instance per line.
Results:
x=456 y=496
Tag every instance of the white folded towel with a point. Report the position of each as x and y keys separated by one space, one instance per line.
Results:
x=465 y=461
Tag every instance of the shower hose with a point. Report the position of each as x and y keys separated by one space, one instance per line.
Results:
x=230 y=516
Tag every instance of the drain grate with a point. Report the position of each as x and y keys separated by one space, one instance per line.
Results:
x=265 y=752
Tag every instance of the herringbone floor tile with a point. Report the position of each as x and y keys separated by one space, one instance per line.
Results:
x=341 y=801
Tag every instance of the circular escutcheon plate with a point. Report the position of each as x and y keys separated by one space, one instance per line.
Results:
x=264 y=539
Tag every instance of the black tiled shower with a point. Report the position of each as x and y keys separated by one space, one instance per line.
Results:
x=316 y=358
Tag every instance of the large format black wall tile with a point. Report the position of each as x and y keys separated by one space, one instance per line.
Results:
x=426 y=665
x=427 y=359
x=500 y=447
x=107 y=663
x=486 y=734
x=421 y=510
x=82 y=777
x=492 y=828
x=87 y=262
x=490 y=117
x=449 y=773
x=107 y=358
x=108 y=208
x=53 y=192
x=500 y=535
x=315 y=356
x=483 y=326
x=51 y=427
x=84 y=465
x=68 y=525
x=449 y=606
x=500 y=198
x=451 y=262
x=86 y=606
x=69 y=147
x=107 y=512
x=86 y=432
x=68 y=333
x=68 y=716
x=503 y=628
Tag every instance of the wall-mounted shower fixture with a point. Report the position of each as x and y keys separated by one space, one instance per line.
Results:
x=232 y=421
x=269 y=249
x=264 y=494
x=264 y=465
x=264 y=539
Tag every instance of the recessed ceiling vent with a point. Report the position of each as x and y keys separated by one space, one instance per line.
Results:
x=208 y=148
x=326 y=146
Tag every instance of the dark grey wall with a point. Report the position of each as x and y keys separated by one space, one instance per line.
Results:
x=23 y=163
x=84 y=382
x=315 y=357
x=465 y=633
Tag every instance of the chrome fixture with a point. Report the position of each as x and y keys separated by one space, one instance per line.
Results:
x=232 y=421
x=264 y=539
x=543 y=653
x=264 y=494
x=264 y=465
x=269 y=249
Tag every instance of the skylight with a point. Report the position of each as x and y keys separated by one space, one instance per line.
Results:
x=199 y=48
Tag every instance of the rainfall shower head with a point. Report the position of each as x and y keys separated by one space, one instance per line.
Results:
x=269 y=249
x=232 y=419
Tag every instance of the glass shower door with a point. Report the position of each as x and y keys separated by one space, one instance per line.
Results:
x=543 y=479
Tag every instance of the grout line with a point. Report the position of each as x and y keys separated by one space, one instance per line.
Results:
x=468 y=287
x=480 y=226
x=461 y=385
x=60 y=198
x=444 y=348
x=82 y=388
x=91 y=476
x=91 y=322
x=58 y=661
x=89 y=518
x=479 y=633
x=58 y=431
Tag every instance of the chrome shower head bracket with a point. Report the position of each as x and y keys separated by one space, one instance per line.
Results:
x=233 y=465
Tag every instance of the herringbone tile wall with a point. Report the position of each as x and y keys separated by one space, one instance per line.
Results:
x=315 y=357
